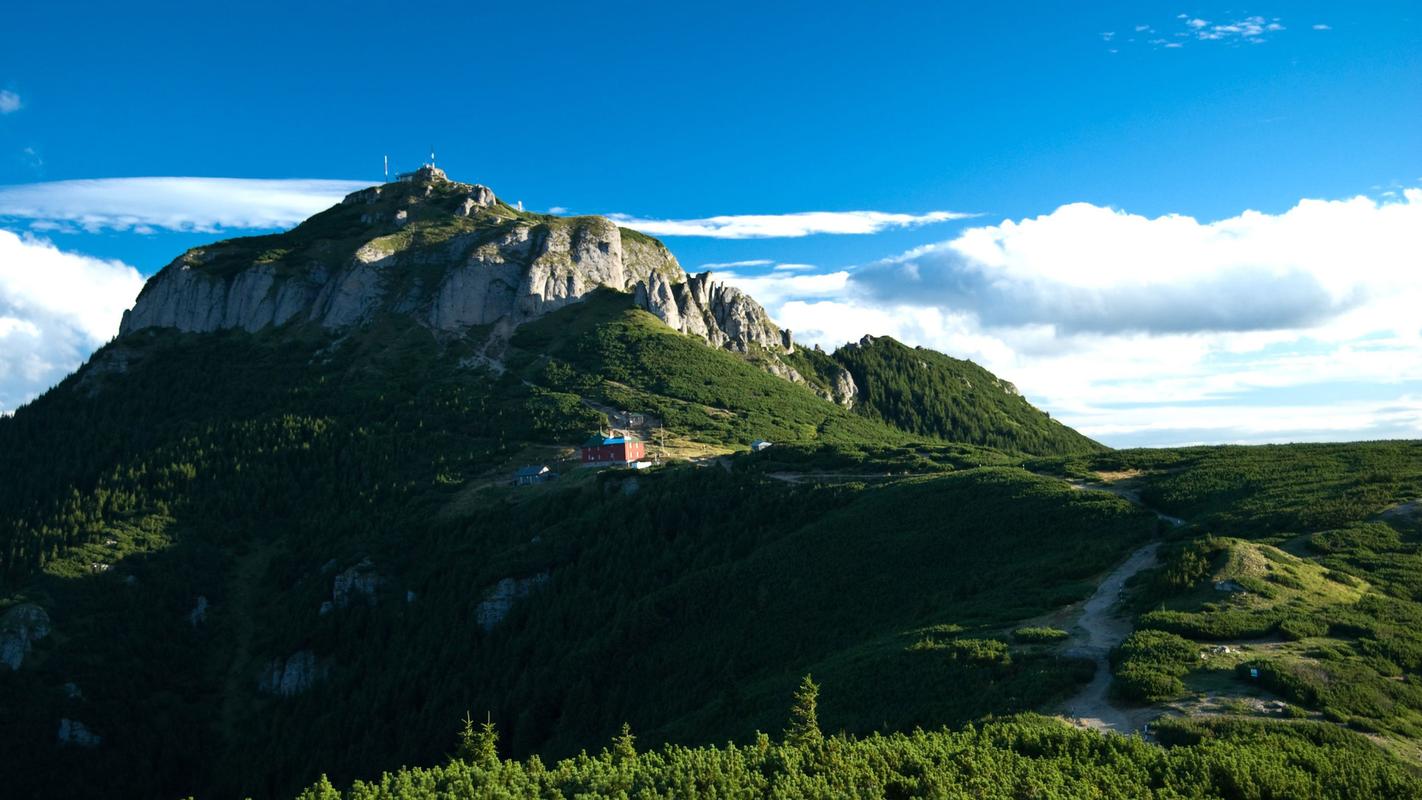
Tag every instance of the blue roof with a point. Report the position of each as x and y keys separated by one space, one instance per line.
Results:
x=598 y=441
x=528 y=472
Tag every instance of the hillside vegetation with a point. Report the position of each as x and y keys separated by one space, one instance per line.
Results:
x=930 y=394
x=252 y=470
x=1007 y=759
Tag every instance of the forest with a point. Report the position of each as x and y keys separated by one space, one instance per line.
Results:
x=913 y=565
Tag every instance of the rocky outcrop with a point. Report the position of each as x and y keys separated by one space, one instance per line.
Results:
x=448 y=253
x=357 y=583
x=719 y=313
x=20 y=628
x=499 y=600
x=289 y=676
x=843 y=390
x=199 y=612
x=75 y=733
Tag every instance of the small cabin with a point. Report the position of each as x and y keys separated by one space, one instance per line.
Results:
x=528 y=476
x=609 y=451
x=759 y=445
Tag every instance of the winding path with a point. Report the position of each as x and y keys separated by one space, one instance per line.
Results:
x=1100 y=629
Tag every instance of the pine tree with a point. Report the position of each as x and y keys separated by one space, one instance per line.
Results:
x=804 y=728
x=468 y=740
x=486 y=745
x=624 y=747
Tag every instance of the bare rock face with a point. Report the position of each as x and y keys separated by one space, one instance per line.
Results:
x=844 y=391
x=721 y=314
x=290 y=676
x=20 y=627
x=499 y=600
x=75 y=733
x=199 y=613
x=449 y=254
x=358 y=582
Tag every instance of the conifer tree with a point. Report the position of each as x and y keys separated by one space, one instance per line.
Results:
x=478 y=746
x=467 y=740
x=624 y=747
x=486 y=744
x=804 y=728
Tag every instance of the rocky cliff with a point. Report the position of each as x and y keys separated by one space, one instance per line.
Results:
x=452 y=256
x=721 y=314
x=448 y=253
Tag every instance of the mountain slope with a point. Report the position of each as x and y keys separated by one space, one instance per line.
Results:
x=265 y=484
x=929 y=394
x=279 y=501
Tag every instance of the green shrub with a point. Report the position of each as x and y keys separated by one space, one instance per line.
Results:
x=1150 y=664
x=1040 y=635
x=1303 y=627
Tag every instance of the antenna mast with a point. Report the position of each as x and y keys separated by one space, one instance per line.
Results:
x=387 y=169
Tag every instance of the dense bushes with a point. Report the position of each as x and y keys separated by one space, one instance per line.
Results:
x=1149 y=665
x=1023 y=757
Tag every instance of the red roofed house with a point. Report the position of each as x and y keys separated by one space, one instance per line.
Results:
x=602 y=451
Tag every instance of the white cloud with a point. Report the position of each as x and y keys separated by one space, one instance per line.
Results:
x=9 y=102
x=794 y=267
x=754 y=262
x=178 y=204
x=777 y=287
x=557 y=210
x=794 y=225
x=1322 y=27
x=55 y=308
x=1260 y=327
x=1252 y=29
x=1088 y=268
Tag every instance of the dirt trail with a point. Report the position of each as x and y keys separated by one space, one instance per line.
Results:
x=1100 y=629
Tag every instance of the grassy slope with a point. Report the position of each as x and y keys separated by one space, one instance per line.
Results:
x=605 y=349
x=1332 y=612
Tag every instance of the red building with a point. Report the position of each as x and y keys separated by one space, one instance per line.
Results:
x=613 y=451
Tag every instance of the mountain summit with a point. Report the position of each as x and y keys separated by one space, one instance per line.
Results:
x=455 y=260
x=450 y=255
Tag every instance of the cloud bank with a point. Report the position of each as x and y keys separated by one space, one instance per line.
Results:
x=173 y=204
x=795 y=225
x=55 y=309
x=1260 y=327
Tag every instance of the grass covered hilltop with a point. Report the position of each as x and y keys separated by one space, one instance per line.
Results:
x=269 y=550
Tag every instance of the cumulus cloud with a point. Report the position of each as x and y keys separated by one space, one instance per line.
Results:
x=55 y=308
x=794 y=225
x=176 y=204
x=1084 y=268
x=9 y=102
x=1301 y=325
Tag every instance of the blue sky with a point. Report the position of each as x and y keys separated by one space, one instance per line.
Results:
x=680 y=112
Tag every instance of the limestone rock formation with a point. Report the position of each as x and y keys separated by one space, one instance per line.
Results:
x=20 y=627
x=358 y=582
x=290 y=676
x=199 y=612
x=844 y=390
x=719 y=313
x=73 y=732
x=499 y=600
x=450 y=254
